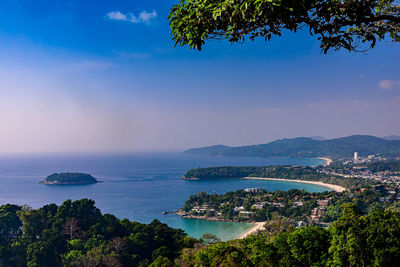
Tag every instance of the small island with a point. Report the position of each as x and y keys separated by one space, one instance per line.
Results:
x=69 y=179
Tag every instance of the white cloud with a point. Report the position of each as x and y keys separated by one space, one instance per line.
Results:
x=389 y=84
x=143 y=17
x=116 y=15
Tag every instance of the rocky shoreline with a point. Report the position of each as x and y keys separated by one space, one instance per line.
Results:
x=190 y=179
x=185 y=215
x=66 y=183
x=257 y=226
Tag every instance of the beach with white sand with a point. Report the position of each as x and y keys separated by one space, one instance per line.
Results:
x=328 y=161
x=336 y=188
x=258 y=226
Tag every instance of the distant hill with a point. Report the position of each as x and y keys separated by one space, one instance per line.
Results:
x=391 y=137
x=208 y=150
x=318 y=138
x=69 y=179
x=304 y=147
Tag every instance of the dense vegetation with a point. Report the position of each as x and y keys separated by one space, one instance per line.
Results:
x=353 y=240
x=280 y=172
x=384 y=166
x=77 y=234
x=294 y=204
x=306 y=147
x=70 y=178
x=338 y=24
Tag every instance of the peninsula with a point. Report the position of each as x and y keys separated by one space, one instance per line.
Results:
x=257 y=205
x=372 y=185
x=69 y=179
x=321 y=175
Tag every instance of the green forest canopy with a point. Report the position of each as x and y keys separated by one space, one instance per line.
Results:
x=350 y=24
x=353 y=240
x=71 y=178
x=279 y=172
x=77 y=234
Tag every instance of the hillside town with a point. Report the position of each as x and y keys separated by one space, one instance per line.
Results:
x=372 y=167
x=301 y=207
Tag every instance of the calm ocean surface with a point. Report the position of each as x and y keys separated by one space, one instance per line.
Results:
x=137 y=187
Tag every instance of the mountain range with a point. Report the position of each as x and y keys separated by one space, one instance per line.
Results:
x=391 y=137
x=305 y=147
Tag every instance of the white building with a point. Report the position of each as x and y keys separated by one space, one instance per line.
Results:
x=251 y=190
x=355 y=156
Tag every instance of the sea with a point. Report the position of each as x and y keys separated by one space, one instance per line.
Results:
x=139 y=187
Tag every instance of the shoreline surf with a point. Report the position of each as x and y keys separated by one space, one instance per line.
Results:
x=336 y=188
x=328 y=161
x=258 y=226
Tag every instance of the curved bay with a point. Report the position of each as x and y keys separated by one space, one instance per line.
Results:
x=137 y=187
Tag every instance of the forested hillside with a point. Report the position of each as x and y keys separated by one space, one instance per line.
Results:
x=279 y=172
x=304 y=147
x=77 y=234
x=353 y=240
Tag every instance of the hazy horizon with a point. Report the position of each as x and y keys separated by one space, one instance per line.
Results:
x=90 y=77
x=142 y=152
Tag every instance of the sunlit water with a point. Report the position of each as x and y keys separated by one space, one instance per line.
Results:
x=137 y=187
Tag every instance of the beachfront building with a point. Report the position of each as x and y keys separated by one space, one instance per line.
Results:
x=251 y=190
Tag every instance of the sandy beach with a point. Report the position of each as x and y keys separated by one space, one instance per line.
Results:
x=328 y=161
x=337 y=188
x=257 y=227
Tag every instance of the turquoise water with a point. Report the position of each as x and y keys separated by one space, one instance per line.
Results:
x=137 y=187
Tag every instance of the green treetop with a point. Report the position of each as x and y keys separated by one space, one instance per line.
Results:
x=350 y=24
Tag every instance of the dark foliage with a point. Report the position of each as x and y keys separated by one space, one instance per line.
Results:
x=77 y=234
x=350 y=24
x=279 y=172
x=70 y=178
x=354 y=240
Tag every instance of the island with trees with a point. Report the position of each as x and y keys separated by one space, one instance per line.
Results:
x=68 y=178
x=357 y=227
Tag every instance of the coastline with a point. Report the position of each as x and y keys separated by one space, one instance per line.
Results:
x=205 y=218
x=336 y=188
x=67 y=183
x=328 y=161
x=258 y=226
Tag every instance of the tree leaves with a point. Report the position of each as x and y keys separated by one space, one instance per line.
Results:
x=351 y=24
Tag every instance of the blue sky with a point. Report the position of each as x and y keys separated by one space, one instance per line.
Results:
x=104 y=76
